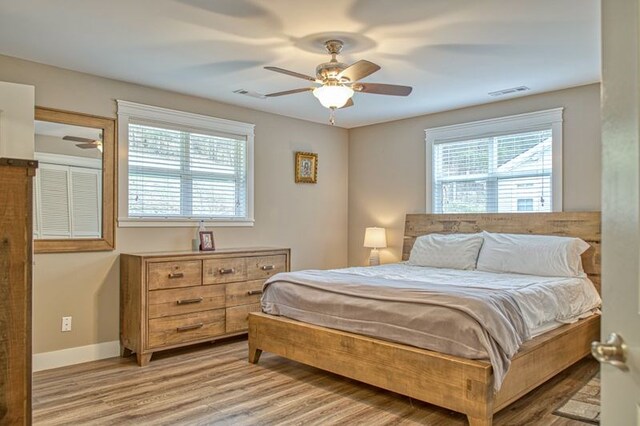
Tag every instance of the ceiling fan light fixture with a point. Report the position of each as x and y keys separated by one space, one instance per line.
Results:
x=333 y=96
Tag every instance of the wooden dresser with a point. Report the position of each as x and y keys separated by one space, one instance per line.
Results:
x=175 y=299
x=16 y=235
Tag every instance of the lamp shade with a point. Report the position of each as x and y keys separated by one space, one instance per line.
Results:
x=333 y=96
x=375 y=238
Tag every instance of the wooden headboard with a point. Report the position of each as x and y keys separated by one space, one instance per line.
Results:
x=585 y=225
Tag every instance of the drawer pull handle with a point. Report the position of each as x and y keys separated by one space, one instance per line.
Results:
x=189 y=301
x=267 y=267
x=252 y=292
x=190 y=327
x=176 y=275
x=223 y=271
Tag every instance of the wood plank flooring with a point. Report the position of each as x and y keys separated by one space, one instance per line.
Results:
x=214 y=384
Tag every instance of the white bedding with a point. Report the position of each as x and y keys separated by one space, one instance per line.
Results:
x=466 y=313
x=545 y=302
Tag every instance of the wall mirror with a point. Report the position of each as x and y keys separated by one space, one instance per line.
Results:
x=74 y=191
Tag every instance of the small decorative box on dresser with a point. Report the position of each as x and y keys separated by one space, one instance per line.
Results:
x=175 y=299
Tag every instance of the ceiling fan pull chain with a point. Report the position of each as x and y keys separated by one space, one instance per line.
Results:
x=332 y=116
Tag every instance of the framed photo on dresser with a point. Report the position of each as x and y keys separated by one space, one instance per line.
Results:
x=206 y=241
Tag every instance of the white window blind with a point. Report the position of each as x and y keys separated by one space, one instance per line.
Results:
x=175 y=172
x=503 y=173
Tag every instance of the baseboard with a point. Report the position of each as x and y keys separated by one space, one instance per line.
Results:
x=77 y=355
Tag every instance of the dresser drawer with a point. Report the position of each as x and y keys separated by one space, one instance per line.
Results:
x=186 y=328
x=265 y=266
x=163 y=303
x=237 y=317
x=244 y=293
x=225 y=270
x=182 y=273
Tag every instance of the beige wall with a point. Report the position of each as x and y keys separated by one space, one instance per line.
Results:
x=381 y=167
x=311 y=219
x=16 y=120
x=387 y=162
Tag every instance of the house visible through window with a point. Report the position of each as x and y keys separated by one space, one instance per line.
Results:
x=525 y=204
x=177 y=172
x=502 y=165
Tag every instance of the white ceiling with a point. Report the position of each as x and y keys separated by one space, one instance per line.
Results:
x=59 y=130
x=452 y=52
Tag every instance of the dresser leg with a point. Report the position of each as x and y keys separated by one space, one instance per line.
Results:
x=480 y=421
x=125 y=352
x=143 y=359
x=254 y=354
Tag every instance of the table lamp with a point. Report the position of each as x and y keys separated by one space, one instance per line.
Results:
x=375 y=238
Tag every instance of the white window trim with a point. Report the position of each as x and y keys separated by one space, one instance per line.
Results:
x=496 y=126
x=131 y=110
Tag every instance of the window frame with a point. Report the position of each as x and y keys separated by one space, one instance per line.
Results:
x=520 y=123
x=130 y=111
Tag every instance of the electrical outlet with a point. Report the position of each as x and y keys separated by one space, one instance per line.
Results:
x=66 y=323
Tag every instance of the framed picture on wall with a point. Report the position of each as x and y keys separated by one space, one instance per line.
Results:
x=206 y=241
x=306 y=167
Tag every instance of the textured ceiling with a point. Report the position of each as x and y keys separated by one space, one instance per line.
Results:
x=452 y=52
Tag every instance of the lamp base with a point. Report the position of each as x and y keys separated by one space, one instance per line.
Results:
x=374 y=257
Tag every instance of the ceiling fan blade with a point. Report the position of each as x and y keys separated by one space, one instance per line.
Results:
x=359 y=70
x=382 y=89
x=348 y=104
x=87 y=145
x=78 y=139
x=288 y=92
x=291 y=73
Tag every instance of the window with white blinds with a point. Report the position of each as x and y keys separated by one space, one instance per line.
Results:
x=502 y=165
x=182 y=168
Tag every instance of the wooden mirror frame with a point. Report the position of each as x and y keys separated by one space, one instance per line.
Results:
x=108 y=240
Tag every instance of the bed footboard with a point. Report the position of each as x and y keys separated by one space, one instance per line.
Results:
x=459 y=384
x=455 y=383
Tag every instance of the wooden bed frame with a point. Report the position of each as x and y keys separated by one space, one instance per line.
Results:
x=452 y=382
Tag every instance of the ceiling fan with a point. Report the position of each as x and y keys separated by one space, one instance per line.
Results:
x=86 y=143
x=339 y=81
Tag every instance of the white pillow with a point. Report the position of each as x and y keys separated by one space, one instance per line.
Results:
x=542 y=255
x=454 y=251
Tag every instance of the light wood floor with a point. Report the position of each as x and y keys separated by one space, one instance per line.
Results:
x=214 y=384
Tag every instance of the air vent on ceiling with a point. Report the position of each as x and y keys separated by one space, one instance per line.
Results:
x=509 y=91
x=249 y=93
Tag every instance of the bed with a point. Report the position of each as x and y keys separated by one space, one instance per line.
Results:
x=469 y=386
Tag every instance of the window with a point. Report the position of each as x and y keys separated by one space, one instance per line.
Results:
x=510 y=164
x=182 y=168
x=525 y=204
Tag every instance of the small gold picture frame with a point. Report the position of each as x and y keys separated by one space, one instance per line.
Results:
x=306 y=167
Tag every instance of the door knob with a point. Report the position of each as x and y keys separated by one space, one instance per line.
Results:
x=613 y=351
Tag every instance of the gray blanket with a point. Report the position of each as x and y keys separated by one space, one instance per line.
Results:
x=462 y=321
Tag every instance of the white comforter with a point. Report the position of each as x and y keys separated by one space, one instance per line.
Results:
x=542 y=300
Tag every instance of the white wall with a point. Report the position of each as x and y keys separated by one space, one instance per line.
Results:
x=387 y=162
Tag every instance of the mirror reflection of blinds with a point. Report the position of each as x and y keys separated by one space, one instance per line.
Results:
x=505 y=173
x=86 y=202
x=185 y=174
x=54 y=201
x=68 y=202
